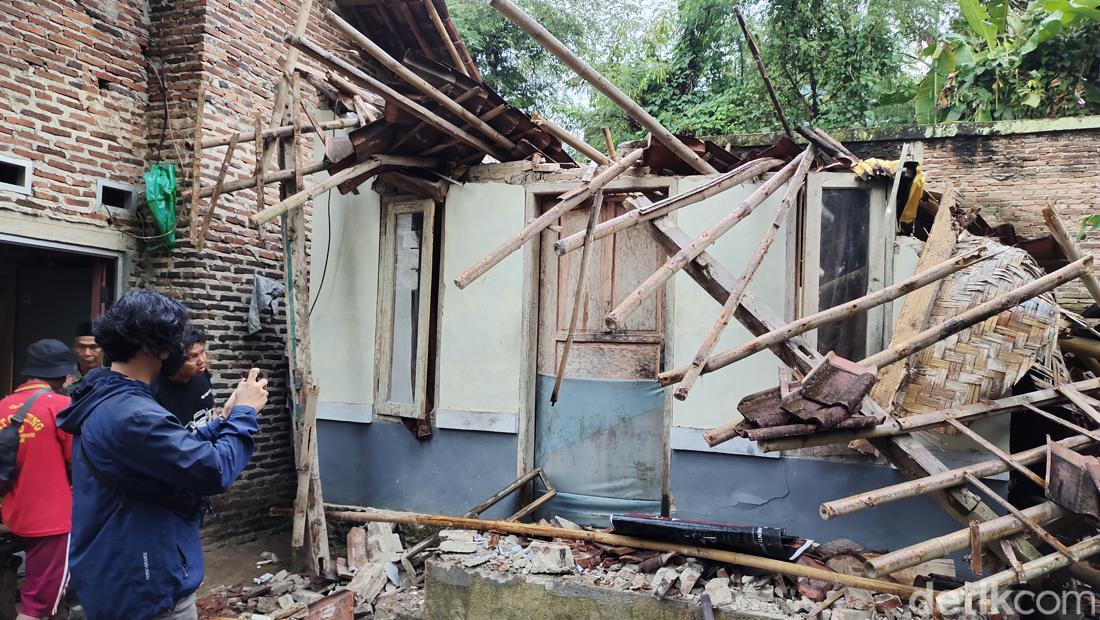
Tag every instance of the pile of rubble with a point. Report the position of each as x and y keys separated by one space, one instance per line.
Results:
x=671 y=576
x=371 y=582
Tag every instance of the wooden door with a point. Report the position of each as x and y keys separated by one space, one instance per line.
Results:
x=618 y=264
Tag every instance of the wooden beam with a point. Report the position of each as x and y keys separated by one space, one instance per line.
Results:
x=678 y=261
x=258 y=171
x=305 y=465
x=542 y=531
x=741 y=174
x=602 y=84
x=281 y=132
x=295 y=201
x=419 y=83
x=938 y=482
x=331 y=60
x=1069 y=246
x=201 y=239
x=577 y=197
x=836 y=313
x=441 y=29
x=918 y=306
x=741 y=285
x=582 y=147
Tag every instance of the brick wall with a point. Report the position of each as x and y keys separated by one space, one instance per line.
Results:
x=83 y=92
x=1010 y=170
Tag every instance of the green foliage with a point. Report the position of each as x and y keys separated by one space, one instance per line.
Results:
x=1003 y=62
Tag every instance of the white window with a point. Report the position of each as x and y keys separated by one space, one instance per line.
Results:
x=404 y=308
x=16 y=174
x=847 y=251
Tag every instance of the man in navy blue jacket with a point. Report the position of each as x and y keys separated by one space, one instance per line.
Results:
x=139 y=476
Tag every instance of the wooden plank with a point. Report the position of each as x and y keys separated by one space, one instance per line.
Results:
x=918 y=304
x=217 y=193
x=1069 y=246
x=258 y=171
x=976 y=548
x=305 y=466
x=601 y=360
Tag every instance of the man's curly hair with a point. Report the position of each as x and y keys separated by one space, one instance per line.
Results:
x=141 y=318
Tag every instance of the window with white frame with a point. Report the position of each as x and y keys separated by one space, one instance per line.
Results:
x=404 y=308
x=847 y=240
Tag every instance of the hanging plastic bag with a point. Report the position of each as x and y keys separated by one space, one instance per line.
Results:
x=160 y=196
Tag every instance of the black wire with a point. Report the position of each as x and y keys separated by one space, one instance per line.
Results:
x=328 y=246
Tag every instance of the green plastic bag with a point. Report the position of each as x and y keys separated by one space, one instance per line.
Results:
x=160 y=196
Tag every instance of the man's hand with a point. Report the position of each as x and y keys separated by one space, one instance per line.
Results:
x=252 y=391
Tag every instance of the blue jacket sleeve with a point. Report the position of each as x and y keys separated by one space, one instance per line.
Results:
x=210 y=431
x=158 y=447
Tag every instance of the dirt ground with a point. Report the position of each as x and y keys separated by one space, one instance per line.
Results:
x=231 y=564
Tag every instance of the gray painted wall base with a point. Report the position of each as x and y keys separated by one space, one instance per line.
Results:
x=383 y=466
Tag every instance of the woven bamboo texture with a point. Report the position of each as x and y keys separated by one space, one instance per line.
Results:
x=986 y=360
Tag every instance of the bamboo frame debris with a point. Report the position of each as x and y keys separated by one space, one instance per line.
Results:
x=742 y=174
x=576 y=197
x=794 y=187
x=201 y=239
x=677 y=262
x=336 y=63
x=602 y=84
x=578 y=296
x=281 y=132
x=275 y=176
x=763 y=72
x=1079 y=400
x=1069 y=246
x=940 y=481
x=302 y=197
x=417 y=82
x=542 y=531
x=1028 y=522
x=942 y=546
x=1087 y=547
x=929 y=421
x=997 y=452
x=582 y=147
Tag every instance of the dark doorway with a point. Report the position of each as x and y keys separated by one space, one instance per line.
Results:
x=46 y=293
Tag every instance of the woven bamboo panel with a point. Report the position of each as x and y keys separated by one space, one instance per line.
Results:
x=984 y=361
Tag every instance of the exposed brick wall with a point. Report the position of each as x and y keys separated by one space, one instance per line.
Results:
x=1012 y=177
x=82 y=93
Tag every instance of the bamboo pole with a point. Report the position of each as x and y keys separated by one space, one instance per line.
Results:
x=941 y=546
x=582 y=147
x=977 y=314
x=201 y=239
x=763 y=72
x=600 y=83
x=335 y=62
x=437 y=21
x=696 y=247
x=578 y=297
x=1028 y=571
x=1028 y=522
x=1069 y=246
x=793 y=188
x=542 y=531
x=1081 y=402
x=417 y=82
x=743 y=173
x=928 y=421
x=940 y=481
x=997 y=452
x=610 y=143
x=280 y=132
x=258 y=171
x=196 y=168
x=836 y=313
x=1095 y=436
x=276 y=176
x=576 y=198
x=297 y=200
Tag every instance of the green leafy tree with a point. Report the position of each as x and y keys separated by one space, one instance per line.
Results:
x=1001 y=61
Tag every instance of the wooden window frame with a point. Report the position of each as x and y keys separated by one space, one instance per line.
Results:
x=383 y=356
x=880 y=260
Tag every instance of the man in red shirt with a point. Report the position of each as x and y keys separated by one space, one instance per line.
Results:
x=38 y=509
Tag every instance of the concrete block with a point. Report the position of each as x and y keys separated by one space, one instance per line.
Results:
x=663 y=580
x=550 y=558
x=718 y=589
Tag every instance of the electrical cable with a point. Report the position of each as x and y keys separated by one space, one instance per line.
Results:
x=328 y=245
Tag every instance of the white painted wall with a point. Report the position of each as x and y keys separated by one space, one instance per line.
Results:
x=481 y=339
x=346 y=229
x=714 y=398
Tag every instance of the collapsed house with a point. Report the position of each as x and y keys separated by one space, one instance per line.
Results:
x=666 y=330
